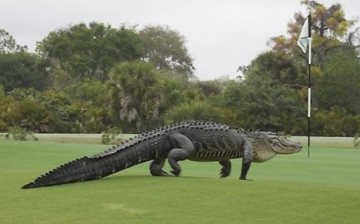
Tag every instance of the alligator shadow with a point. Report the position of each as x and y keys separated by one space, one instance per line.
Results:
x=147 y=177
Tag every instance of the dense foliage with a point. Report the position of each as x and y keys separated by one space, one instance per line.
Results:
x=93 y=78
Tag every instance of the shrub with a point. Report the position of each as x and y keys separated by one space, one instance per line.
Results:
x=195 y=110
x=20 y=134
x=110 y=137
x=357 y=140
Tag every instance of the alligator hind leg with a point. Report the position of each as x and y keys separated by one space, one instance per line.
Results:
x=183 y=152
x=226 y=168
x=156 y=168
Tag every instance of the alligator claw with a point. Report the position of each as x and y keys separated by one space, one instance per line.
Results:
x=165 y=174
x=224 y=173
x=175 y=172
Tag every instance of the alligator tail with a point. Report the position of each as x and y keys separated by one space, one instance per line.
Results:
x=82 y=169
x=96 y=167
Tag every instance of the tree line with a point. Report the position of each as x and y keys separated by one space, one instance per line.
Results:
x=93 y=78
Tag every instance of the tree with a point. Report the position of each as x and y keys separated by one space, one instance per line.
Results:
x=18 y=69
x=260 y=102
x=330 y=21
x=137 y=93
x=282 y=67
x=193 y=110
x=21 y=70
x=165 y=48
x=209 y=88
x=340 y=83
x=335 y=66
x=330 y=29
x=90 y=51
x=174 y=89
x=8 y=43
x=27 y=109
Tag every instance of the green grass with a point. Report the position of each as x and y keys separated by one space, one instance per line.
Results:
x=288 y=189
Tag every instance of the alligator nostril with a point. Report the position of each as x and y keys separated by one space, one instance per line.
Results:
x=298 y=145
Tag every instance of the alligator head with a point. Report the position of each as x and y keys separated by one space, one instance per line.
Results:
x=268 y=145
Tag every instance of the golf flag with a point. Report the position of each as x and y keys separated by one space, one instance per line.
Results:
x=303 y=41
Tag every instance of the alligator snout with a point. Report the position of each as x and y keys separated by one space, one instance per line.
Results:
x=298 y=146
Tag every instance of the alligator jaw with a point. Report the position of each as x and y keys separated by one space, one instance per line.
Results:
x=284 y=146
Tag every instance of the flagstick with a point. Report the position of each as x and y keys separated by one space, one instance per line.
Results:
x=309 y=109
x=304 y=42
x=309 y=86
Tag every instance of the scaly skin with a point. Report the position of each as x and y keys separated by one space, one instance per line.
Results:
x=195 y=140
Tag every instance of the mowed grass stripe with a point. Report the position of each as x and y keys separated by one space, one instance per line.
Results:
x=288 y=189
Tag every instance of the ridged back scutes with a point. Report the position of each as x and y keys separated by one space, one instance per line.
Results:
x=204 y=125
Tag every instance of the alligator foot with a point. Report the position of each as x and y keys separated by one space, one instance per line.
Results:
x=226 y=169
x=164 y=173
x=245 y=179
x=176 y=172
x=224 y=173
x=156 y=168
x=161 y=173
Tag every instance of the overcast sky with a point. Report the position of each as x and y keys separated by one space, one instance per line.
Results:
x=220 y=34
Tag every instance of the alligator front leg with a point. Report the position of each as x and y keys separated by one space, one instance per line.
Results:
x=226 y=168
x=156 y=167
x=248 y=156
x=244 y=170
x=184 y=149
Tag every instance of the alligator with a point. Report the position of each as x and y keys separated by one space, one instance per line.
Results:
x=192 y=140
